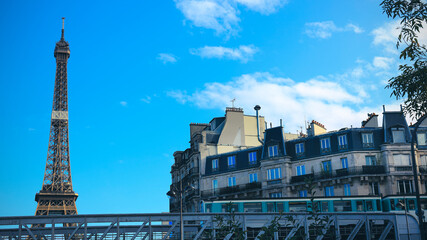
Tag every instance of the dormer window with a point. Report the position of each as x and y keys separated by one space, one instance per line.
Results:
x=272 y=151
x=325 y=145
x=342 y=142
x=252 y=158
x=299 y=149
x=214 y=165
x=367 y=140
x=232 y=162
x=398 y=135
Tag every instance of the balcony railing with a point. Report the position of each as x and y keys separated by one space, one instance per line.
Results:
x=368 y=145
x=325 y=150
x=403 y=168
x=342 y=147
x=423 y=169
x=232 y=190
x=361 y=170
x=301 y=178
x=275 y=181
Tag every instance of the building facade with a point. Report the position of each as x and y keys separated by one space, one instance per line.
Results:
x=370 y=164
x=233 y=132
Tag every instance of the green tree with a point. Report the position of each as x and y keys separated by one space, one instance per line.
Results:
x=411 y=83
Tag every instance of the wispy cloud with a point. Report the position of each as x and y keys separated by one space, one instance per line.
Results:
x=262 y=6
x=146 y=99
x=325 y=29
x=242 y=53
x=386 y=36
x=123 y=103
x=318 y=98
x=383 y=62
x=222 y=16
x=167 y=58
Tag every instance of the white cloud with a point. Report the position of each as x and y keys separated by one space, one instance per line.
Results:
x=166 y=58
x=382 y=62
x=243 y=53
x=354 y=28
x=386 y=36
x=222 y=16
x=123 y=103
x=212 y=14
x=146 y=99
x=320 y=29
x=321 y=99
x=325 y=29
x=263 y=6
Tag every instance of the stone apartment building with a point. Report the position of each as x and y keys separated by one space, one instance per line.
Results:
x=371 y=160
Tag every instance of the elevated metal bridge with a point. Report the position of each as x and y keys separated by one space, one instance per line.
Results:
x=165 y=226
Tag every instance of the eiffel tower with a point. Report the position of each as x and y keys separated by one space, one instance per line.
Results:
x=57 y=196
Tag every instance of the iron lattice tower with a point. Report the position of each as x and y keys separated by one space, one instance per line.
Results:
x=57 y=196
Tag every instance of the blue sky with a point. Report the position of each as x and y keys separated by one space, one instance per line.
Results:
x=141 y=71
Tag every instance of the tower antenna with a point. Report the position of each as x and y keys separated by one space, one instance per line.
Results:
x=63 y=23
x=232 y=102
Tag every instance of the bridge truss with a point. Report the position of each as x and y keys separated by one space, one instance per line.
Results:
x=205 y=226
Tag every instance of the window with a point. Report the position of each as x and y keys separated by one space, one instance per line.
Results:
x=272 y=151
x=344 y=162
x=276 y=195
x=342 y=142
x=300 y=170
x=325 y=145
x=253 y=177
x=371 y=160
x=423 y=160
x=367 y=140
x=329 y=191
x=299 y=149
x=347 y=191
x=401 y=160
x=252 y=158
x=302 y=193
x=214 y=185
x=327 y=166
x=405 y=186
x=215 y=165
x=231 y=181
x=421 y=139
x=232 y=162
x=398 y=135
x=375 y=188
x=274 y=173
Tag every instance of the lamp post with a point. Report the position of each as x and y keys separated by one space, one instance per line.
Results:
x=419 y=211
x=174 y=193
x=403 y=205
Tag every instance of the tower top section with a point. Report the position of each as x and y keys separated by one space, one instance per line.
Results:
x=62 y=49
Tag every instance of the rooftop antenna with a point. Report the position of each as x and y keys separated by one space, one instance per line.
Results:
x=232 y=102
x=63 y=20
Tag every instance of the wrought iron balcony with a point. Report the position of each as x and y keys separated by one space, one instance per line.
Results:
x=403 y=168
x=423 y=169
x=368 y=145
x=232 y=190
x=342 y=147
x=301 y=178
x=361 y=170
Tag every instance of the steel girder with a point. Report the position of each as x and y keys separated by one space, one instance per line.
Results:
x=166 y=226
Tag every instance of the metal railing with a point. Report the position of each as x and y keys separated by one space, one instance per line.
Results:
x=232 y=190
x=201 y=225
x=361 y=170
